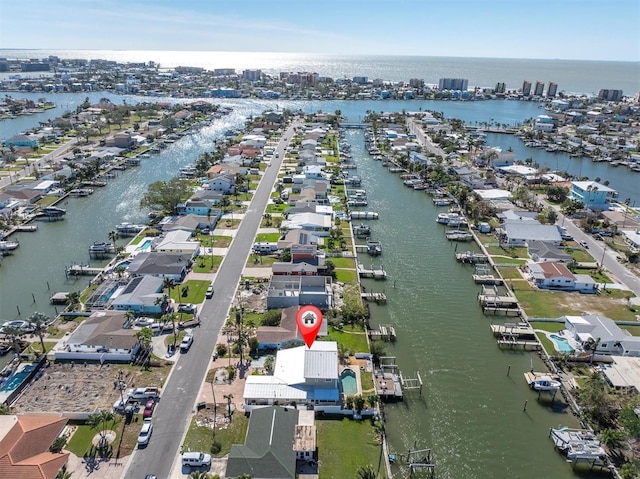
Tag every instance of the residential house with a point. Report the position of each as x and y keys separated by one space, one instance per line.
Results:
x=21 y=141
x=176 y=241
x=285 y=291
x=592 y=194
x=160 y=265
x=275 y=439
x=120 y=140
x=608 y=338
x=519 y=232
x=632 y=238
x=194 y=206
x=24 y=194
x=225 y=183
x=142 y=294
x=191 y=221
x=302 y=376
x=542 y=251
x=25 y=440
x=554 y=275
x=101 y=337
x=319 y=225
x=300 y=237
x=285 y=334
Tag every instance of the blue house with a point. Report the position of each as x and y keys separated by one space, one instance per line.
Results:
x=142 y=295
x=21 y=140
x=592 y=194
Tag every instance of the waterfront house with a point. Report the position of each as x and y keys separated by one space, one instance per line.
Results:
x=608 y=338
x=194 y=206
x=224 y=182
x=25 y=440
x=161 y=265
x=555 y=275
x=632 y=238
x=276 y=437
x=299 y=237
x=286 y=333
x=101 y=337
x=142 y=295
x=191 y=222
x=21 y=141
x=285 y=291
x=317 y=224
x=542 y=251
x=519 y=232
x=120 y=140
x=592 y=194
x=176 y=241
x=304 y=377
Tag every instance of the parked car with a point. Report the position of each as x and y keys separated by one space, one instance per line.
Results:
x=584 y=244
x=145 y=433
x=148 y=408
x=186 y=343
x=144 y=321
x=209 y=293
x=187 y=308
x=196 y=459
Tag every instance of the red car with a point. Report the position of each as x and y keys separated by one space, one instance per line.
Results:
x=148 y=408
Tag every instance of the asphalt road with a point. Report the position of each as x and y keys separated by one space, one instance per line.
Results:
x=178 y=400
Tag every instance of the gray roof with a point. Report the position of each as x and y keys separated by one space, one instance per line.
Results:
x=159 y=263
x=542 y=250
x=104 y=328
x=268 y=450
x=143 y=290
x=530 y=230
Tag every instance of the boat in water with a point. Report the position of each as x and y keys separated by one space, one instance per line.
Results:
x=129 y=229
x=578 y=444
x=374 y=248
x=545 y=383
x=449 y=218
x=53 y=211
x=362 y=230
x=6 y=245
x=102 y=248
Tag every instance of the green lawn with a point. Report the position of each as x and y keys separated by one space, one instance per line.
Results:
x=207 y=264
x=547 y=344
x=543 y=304
x=551 y=327
x=200 y=438
x=346 y=276
x=343 y=262
x=197 y=290
x=344 y=445
x=353 y=339
x=274 y=208
x=267 y=237
x=510 y=272
x=80 y=442
x=520 y=252
x=260 y=261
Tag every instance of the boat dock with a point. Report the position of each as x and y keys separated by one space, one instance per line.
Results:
x=494 y=302
x=59 y=298
x=383 y=333
x=82 y=270
x=469 y=257
x=519 y=330
x=372 y=273
x=482 y=275
x=24 y=228
x=379 y=298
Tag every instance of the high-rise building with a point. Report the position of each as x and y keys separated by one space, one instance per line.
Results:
x=539 y=89
x=552 y=89
x=416 y=83
x=526 y=88
x=252 y=75
x=500 y=87
x=453 y=84
x=610 y=95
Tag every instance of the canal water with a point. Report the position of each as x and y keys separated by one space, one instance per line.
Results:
x=470 y=413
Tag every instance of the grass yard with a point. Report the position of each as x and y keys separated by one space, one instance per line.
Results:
x=346 y=276
x=353 y=339
x=200 y=436
x=259 y=261
x=345 y=445
x=126 y=439
x=267 y=237
x=274 y=208
x=519 y=252
x=197 y=290
x=207 y=264
x=510 y=272
x=343 y=262
x=550 y=327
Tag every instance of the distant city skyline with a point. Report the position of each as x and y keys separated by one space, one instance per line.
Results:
x=546 y=29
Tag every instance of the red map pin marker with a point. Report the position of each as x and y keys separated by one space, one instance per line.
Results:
x=309 y=319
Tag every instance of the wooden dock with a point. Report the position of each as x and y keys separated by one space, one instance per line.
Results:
x=492 y=300
x=383 y=333
x=518 y=330
x=514 y=343
x=379 y=298
x=59 y=298
x=371 y=273
x=469 y=257
x=82 y=270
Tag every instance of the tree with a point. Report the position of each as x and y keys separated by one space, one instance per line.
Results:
x=228 y=397
x=73 y=300
x=14 y=333
x=166 y=195
x=58 y=444
x=358 y=403
x=39 y=322
x=113 y=236
x=63 y=473
x=144 y=337
x=199 y=475
x=100 y=421
x=367 y=472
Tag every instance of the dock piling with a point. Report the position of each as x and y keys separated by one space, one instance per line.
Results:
x=509 y=369
x=524 y=409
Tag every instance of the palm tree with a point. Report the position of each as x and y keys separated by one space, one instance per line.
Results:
x=14 y=333
x=63 y=473
x=168 y=284
x=73 y=300
x=100 y=421
x=200 y=475
x=39 y=322
x=228 y=397
x=113 y=236
x=367 y=472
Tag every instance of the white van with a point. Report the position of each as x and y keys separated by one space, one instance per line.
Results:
x=196 y=459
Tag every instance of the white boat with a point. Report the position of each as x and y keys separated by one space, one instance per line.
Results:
x=545 y=383
x=449 y=218
x=441 y=201
x=374 y=248
x=6 y=245
x=101 y=248
x=129 y=228
x=53 y=211
x=361 y=230
x=578 y=444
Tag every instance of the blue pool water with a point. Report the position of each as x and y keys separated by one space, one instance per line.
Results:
x=349 y=383
x=145 y=245
x=561 y=344
x=15 y=380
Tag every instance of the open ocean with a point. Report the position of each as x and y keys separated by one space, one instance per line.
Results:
x=572 y=76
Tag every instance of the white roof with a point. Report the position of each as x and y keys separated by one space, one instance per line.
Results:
x=519 y=170
x=584 y=185
x=296 y=365
x=493 y=194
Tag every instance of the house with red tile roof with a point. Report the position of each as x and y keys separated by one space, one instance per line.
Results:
x=24 y=446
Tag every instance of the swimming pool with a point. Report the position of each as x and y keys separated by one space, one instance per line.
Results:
x=145 y=245
x=561 y=343
x=349 y=382
x=16 y=379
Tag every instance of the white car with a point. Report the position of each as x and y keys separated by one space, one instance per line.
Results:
x=145 y=432
x=144 y=321
x=186 y=343
x=584 y=244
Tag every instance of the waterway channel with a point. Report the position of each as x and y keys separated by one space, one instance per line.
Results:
x=470 y=413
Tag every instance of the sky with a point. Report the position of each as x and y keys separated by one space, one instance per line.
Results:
x=546 y=29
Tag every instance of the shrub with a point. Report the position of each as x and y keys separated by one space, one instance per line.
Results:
x=221 y=349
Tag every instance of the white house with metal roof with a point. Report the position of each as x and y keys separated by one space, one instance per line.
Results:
x=519 y=232
x=306 y=377
x=610 y=338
